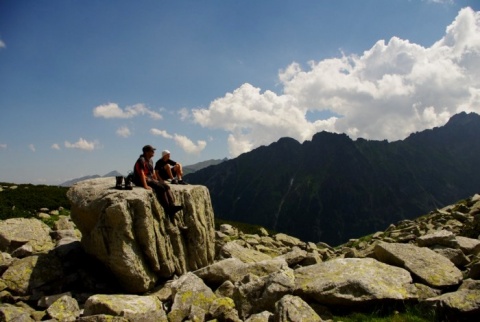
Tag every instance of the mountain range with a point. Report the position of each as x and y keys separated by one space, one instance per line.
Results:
x=333 y=188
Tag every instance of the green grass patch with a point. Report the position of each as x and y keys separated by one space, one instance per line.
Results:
x=25 y=200
x=411 y=313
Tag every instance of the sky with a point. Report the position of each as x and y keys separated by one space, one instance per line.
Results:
x=85 y=84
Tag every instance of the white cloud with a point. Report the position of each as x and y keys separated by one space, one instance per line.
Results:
x=162 y=133
x=31 y=147
x=112 y=110
x=188 y=145
x=3 y=146
x=387 y=92
x=55 y=146
x=184 y=114
x=2 y=44
x=182 y=141
x=82 y=144
x=123 y=132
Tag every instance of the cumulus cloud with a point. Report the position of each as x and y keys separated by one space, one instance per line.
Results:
x=188 y=145
x=387 y=92
x=162 y=133
x=123 y=132
x=182 y=141
x=55 y=146
x=112 y=110
x=82 y=144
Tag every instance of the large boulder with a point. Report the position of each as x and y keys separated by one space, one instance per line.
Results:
x=352 y=281
x=429 y=267
x=130 y=233
x=27 y=275
x=25 y=235
x=132 y=307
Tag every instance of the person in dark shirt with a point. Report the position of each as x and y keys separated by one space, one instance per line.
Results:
x=145 y=176
x=167 y=169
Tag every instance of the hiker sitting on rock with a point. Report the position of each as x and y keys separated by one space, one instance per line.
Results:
x=167 y=169
x=145 y=176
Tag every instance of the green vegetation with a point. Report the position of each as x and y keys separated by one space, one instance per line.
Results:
x=24 y=200
x=410 y=313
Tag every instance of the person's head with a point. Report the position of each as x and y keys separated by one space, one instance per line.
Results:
x=166 y=154
x=148 y=151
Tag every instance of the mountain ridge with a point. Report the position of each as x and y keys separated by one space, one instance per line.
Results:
x=333 y=188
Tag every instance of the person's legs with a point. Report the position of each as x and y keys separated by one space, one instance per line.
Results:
x=165 y=197
x=177 y=169
x=168 y=170
x=160 y=192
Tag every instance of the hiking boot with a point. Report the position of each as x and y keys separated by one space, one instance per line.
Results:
x=128 y=183
x=174 y=181
x=119 y=180
x=182 y=182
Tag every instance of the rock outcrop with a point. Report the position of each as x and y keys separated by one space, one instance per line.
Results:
x=130 y=233
x=432 y=262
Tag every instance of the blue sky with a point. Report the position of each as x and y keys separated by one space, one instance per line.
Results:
x=85 y=84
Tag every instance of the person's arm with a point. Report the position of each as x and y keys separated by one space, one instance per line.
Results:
x=143 y=179
x=140 y=169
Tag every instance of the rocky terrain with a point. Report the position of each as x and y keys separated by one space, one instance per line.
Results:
x=119 y=258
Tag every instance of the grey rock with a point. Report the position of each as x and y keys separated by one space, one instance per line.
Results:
x=429 y=267
x=102 y=318
x=9 y=312
x=129 y=232
x=295 y=256
x=22 y=232
x=469 y=246
x=223 y=309
x=264 y=316
x=189 y=292
x=234 y=249
x=134 y=308
x=64 y=308
x=46 y=301
x=442 y=237
x=256 y=294
x=293 y=309
x=351 y=280
x=30 y=273
x=456 y=256
x=462 y=304
x=234 y=270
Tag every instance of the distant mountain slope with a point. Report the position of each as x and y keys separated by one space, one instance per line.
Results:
x=197 y=166
x=69 y=183
x=332 y=188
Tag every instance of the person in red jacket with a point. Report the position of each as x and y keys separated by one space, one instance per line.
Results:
x=145 y=176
